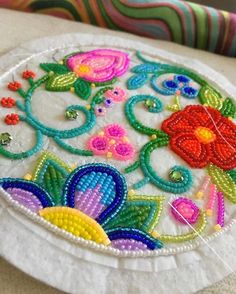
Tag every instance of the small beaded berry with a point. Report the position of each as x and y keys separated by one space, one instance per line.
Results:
x=27 y=74
x=12 y=119
x=8 y=102
x=14 y=86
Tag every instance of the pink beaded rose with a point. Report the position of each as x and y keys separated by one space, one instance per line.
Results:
x=112 y=142
x=99 y=65
x=185 y=210
x=114 y=131
x=99 y=145
x=123 y=151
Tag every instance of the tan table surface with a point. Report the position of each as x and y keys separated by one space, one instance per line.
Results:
x=16 y=28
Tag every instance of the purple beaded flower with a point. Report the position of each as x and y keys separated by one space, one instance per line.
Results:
x=89 y=202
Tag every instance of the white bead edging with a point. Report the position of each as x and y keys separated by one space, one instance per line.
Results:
x=102 y=248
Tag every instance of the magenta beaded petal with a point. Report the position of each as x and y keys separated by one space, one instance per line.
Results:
x=185 y=210
x=99 y=65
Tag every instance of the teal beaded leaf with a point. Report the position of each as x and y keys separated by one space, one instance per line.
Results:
x=82 y=89
x=63 y=82
x=140 y=212
x=54 y=67
x=146 y=68
x=137 y=81
x=229 y=108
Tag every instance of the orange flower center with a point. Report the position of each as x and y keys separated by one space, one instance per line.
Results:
x=82 y=69
x=205 y=135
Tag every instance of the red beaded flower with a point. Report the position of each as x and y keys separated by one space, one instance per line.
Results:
x=201 y=135
x=14 y=86
x=27 y=74
x=12 y=119
x=8 y=102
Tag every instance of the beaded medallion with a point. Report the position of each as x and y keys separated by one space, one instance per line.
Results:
x=134 y=153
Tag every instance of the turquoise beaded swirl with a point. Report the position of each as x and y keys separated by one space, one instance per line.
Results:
x=134 y=122
x=150 y=173
x=42 y=130
x=160 y=139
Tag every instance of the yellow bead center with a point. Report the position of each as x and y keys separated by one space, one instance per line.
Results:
x=82 y=69
x=205 y=135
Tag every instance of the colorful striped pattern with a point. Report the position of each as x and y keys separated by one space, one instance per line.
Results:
x=178 y=21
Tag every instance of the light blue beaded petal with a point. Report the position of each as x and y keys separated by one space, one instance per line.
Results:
x=146 y=68
x=137 y=81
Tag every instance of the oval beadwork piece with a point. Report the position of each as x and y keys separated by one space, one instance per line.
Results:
x=169 y=130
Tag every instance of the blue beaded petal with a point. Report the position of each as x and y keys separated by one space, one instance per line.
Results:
x=189 y=92
x=134 y=234
x=119 y=195
x=182 y=79
x=165 y=90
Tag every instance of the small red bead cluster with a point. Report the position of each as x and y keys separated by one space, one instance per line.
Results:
x=27 y=74
x=8 y=102
x=14 y=86
x=12 y=119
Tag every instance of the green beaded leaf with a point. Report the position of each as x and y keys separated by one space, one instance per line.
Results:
x=54 y=67
x=137 y=81
x=51 y=174
x=232 y=174
x=107 y=83
x=82 y=89
x=53 y=181
x=229 y=108
x=210 y=97
x=98 y=97
x=140 y=212
x=59 y=83
x=223 y=181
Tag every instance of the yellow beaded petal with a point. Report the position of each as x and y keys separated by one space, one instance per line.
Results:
x=75 y=222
